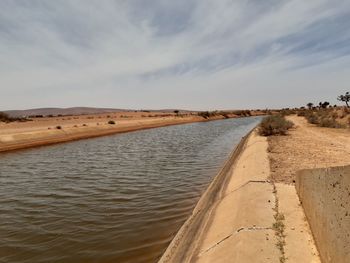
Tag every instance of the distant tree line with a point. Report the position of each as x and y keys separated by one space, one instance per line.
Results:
x=343 y=98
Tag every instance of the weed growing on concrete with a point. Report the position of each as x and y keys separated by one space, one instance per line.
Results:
x=279 y=227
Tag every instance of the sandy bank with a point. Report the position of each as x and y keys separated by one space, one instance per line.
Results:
x=248 y=219
x=40 y=132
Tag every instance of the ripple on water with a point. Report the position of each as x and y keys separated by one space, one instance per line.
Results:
x=120 y=198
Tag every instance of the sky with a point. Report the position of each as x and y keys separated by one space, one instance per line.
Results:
x=187 y=54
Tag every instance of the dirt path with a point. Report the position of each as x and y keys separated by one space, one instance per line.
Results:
x=307 y=147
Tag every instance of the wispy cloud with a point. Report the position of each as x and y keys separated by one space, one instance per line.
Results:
x=186 y=53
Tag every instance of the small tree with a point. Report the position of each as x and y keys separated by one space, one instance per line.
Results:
x=310 y=105
x=345 y=98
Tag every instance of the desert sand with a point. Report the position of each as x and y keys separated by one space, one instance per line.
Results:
x=307 y=147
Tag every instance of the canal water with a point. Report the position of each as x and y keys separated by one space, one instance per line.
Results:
x=119 y=198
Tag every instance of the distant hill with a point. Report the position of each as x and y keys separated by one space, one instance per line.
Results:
x=70 y=111
x=60 y=111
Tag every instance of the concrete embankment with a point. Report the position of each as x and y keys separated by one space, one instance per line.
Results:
x=240 y=219
x=185 y=243
x=325 y=196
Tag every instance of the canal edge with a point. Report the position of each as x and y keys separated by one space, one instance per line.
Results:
x=185 y=243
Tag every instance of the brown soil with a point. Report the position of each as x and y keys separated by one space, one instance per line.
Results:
x=307 y=147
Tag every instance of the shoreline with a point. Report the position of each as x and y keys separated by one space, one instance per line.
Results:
x=46 y=137
x=184 y=245
x=236 y=217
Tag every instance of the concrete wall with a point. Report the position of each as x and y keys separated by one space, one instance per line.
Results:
x=325 y=196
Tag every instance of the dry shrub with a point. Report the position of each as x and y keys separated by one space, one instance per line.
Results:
x=324 y=118
x=274 y=125
x=4 y=117
x=329 y=122
x=204 y=114
x=311 y=117
x=302 y=113
x=334 y=115
x=287 y=112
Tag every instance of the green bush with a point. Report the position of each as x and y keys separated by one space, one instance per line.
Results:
x=274 y=125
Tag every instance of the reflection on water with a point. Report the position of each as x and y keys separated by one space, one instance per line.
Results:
x=120 y=198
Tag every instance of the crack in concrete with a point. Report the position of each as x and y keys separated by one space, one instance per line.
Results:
x=242 y=229
x=243 y=185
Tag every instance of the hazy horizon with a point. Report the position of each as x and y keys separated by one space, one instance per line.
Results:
x=193 y=54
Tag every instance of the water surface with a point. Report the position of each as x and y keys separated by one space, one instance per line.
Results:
x=120 y=198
